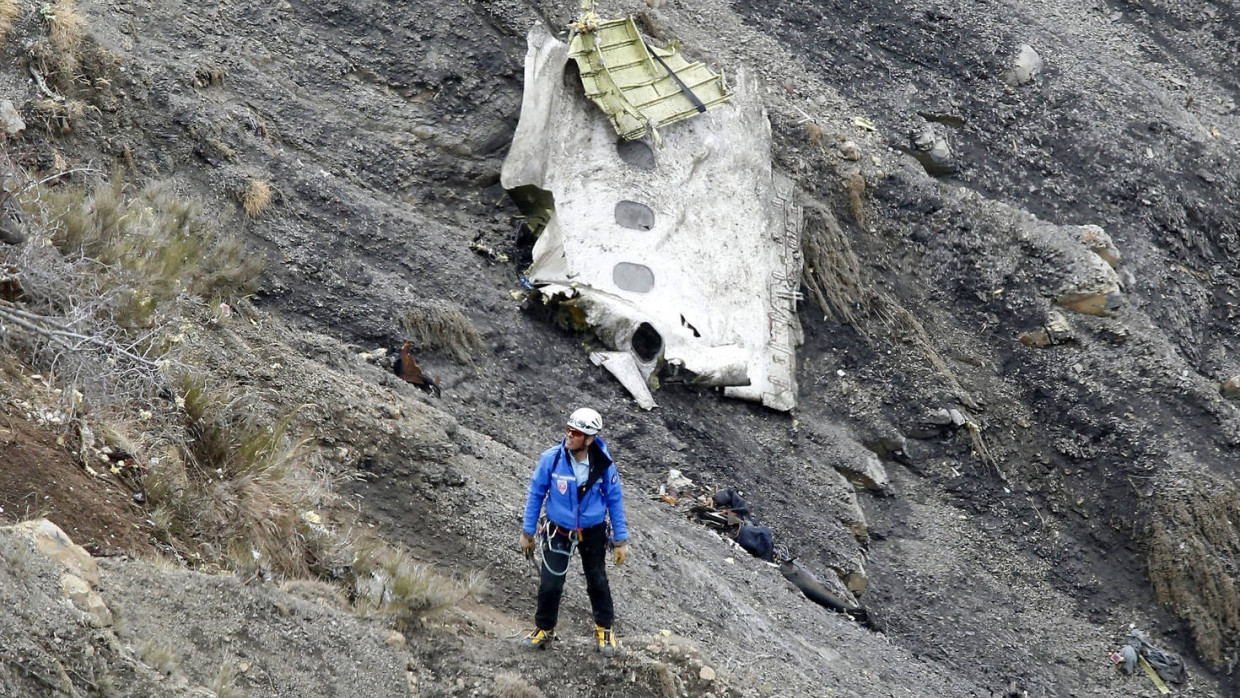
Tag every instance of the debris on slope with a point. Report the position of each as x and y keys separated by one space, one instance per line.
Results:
x=685 y=260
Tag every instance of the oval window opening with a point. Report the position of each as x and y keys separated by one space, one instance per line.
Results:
x=633 y=277
x=647 y=342
x=634 y=216
x=636 y=154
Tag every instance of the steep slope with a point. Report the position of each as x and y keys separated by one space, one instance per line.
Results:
x=1005 y=559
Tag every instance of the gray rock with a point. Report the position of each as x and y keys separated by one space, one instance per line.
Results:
x=1025 y=67
x=932 y=150
x=1230 y=388
x=1097 y=240
x=11 y=123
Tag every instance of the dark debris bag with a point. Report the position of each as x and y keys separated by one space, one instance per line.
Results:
x=730 y=500
x=757 y=540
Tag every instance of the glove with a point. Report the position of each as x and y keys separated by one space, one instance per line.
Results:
x=622 y=552
x=527 y=545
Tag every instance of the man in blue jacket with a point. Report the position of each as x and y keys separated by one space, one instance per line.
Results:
x=580 y=486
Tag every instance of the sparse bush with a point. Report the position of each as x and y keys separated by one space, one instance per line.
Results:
x=255 y=198
x=387 y=582
x=438 y=325
x=1193 y=545
x=104 y=303
x=59 y=115
x=160 y=657
x=511 y=685
x=224 y=683
x=813 y=134
x=241 y=494
x=154 y=246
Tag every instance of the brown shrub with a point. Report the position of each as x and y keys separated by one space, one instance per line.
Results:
x=439 y=325
x=255 y=198
x=9 y=11
x=813 y=134
x=1193 y=543
x=240 y=494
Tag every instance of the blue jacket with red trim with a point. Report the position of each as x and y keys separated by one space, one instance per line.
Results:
x=554 y=483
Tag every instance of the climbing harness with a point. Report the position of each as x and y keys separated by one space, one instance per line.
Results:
x=547 y=534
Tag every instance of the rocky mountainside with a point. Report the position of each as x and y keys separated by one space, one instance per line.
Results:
x=1017 y=421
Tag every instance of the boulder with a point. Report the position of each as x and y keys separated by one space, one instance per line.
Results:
x=1230 y=388
x=1098 y=242
x=864 y=470
x=52 y=542
x=1026 y=66
x=1057 y=330
x=86 y=599
x=11 y=123
x=932 y=150
x=1092 y=289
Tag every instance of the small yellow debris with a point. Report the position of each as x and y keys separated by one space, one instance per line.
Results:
x=665 y=632
x=145 y=414
x=862 y=122
x=312 y=517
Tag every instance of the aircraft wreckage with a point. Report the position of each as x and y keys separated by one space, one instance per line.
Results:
x=660 y=222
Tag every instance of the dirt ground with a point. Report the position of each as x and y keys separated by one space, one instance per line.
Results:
x=39 y=478
x=1010 y=561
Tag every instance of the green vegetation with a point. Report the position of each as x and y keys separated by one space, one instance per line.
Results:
x=238 y=493
x=387 y=582
x=153 y=243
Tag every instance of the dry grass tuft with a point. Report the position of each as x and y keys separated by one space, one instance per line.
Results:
x=387 y=582
x=160 y=657
x=155 y=244
x=256 y=197
x=510 y=685
x=65 y=26
x=315 y=591
x=9 y=12
x=663 y=679
x=438 y=325
x=224 y=683
x=209 y=75
x=856 y=198
x=832 y=272
x=66 y=31
x=241 y=495
x=1193 y=547
x=59 y=116
x=813 y=134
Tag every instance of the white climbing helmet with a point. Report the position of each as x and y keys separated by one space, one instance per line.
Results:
x=586 y=421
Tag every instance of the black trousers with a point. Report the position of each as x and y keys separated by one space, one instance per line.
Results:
x=557 y=556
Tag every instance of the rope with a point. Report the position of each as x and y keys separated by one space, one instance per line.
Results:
x=548 y=535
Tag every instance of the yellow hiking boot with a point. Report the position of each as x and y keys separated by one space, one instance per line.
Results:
x=606 y=640
x=538 y=639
